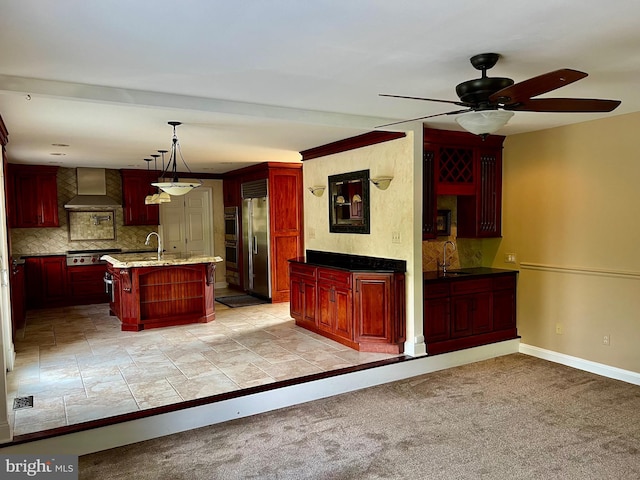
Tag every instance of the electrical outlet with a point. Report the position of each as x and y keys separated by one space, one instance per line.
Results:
x=395 y=237
x=606 y=340
x=311 y=233
x=509 y=258
x=558 y=329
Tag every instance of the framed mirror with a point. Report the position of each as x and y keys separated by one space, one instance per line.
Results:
x=349 y=202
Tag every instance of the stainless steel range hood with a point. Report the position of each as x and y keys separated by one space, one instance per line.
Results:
x=92 y=191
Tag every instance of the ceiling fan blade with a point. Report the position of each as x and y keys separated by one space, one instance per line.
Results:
x=462 y=104
x=523 y=91
x=569 y=105
x=422 y=118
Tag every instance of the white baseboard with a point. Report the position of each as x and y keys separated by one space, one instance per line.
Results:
x=582 y=364
x=89 y=441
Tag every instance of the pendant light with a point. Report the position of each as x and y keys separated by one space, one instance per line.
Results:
x=160 y=196
x=175 y=186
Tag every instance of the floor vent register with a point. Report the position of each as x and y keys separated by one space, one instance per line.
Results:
x=23 y=402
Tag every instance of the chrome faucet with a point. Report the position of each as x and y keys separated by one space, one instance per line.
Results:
x=444 y=255
x=148 y=240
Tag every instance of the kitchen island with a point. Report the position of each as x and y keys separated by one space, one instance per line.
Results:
x=147 y=292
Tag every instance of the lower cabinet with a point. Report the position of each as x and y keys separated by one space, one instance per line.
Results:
x=46 y=279
x=335 y=303
x=363 y=310
x=302 y=301
x=86 y=284
x=468 y=312
x=50 y=283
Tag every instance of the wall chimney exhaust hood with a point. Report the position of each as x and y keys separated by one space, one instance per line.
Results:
x=92 y=191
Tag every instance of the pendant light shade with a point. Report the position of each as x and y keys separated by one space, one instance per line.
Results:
x=175 y=187
x=484 y=122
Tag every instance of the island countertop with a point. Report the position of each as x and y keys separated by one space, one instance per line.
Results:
x=148 y=259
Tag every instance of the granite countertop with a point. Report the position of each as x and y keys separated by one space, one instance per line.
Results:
x=150 y=259
x=351 y=263
x=437 y=276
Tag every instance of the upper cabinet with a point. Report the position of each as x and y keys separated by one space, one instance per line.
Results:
x=136 y=185
x=33 y=196
x=465 y=165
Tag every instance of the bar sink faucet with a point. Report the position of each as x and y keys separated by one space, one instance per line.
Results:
x=148 y=240
x=444 y=255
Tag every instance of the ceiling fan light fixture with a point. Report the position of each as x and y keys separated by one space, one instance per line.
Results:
x=484 y=122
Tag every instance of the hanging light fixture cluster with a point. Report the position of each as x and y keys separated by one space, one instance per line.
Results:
x=175 y=187
x=160 y=196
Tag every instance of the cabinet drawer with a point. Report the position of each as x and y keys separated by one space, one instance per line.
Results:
x=336 y=277
x=471 y=286
x=435 y=290
x=507 y=282
x=303 y=270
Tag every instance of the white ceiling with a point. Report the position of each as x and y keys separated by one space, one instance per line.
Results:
x=261 y=80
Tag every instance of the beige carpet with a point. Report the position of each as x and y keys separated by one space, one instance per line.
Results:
x=514 y=417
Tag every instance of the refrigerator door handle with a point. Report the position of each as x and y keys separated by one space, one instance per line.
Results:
x=255 y=245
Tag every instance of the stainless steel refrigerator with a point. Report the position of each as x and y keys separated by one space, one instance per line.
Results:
x=255 y=238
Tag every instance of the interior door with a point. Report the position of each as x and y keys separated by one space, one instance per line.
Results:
x=187 y=223
x=198 y=226
x=173 y=226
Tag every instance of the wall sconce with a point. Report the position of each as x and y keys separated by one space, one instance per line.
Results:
x=381 y=182
x=317 y=190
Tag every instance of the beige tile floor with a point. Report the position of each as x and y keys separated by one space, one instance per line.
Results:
x=79 y=365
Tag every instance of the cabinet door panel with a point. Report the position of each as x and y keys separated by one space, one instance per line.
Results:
x=482 y=321
x=373 y=309
x=461 y=316
x=504 y=309
x=436 y=320
x=296 y=303
x=343 y=317
x=309 y=302
x=325 y=307
x=54 y=276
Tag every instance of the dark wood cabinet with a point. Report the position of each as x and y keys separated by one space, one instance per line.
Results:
x=467 y=312
x=231 y=192
x=136 y=185
x=465 y=165
x=33 y=196
x=335 y=303
x=480 y=214
x=429 y=197
x=471 y=307
x=303 y=294
x=86 y=284
x=504 y=303
x=363 y=310
x=46 y=280
x=284 y=185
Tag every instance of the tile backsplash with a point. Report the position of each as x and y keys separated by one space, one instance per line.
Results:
x=468 y=251
x=33 y=241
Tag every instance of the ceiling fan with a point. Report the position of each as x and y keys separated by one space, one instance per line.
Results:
x=489 y=102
